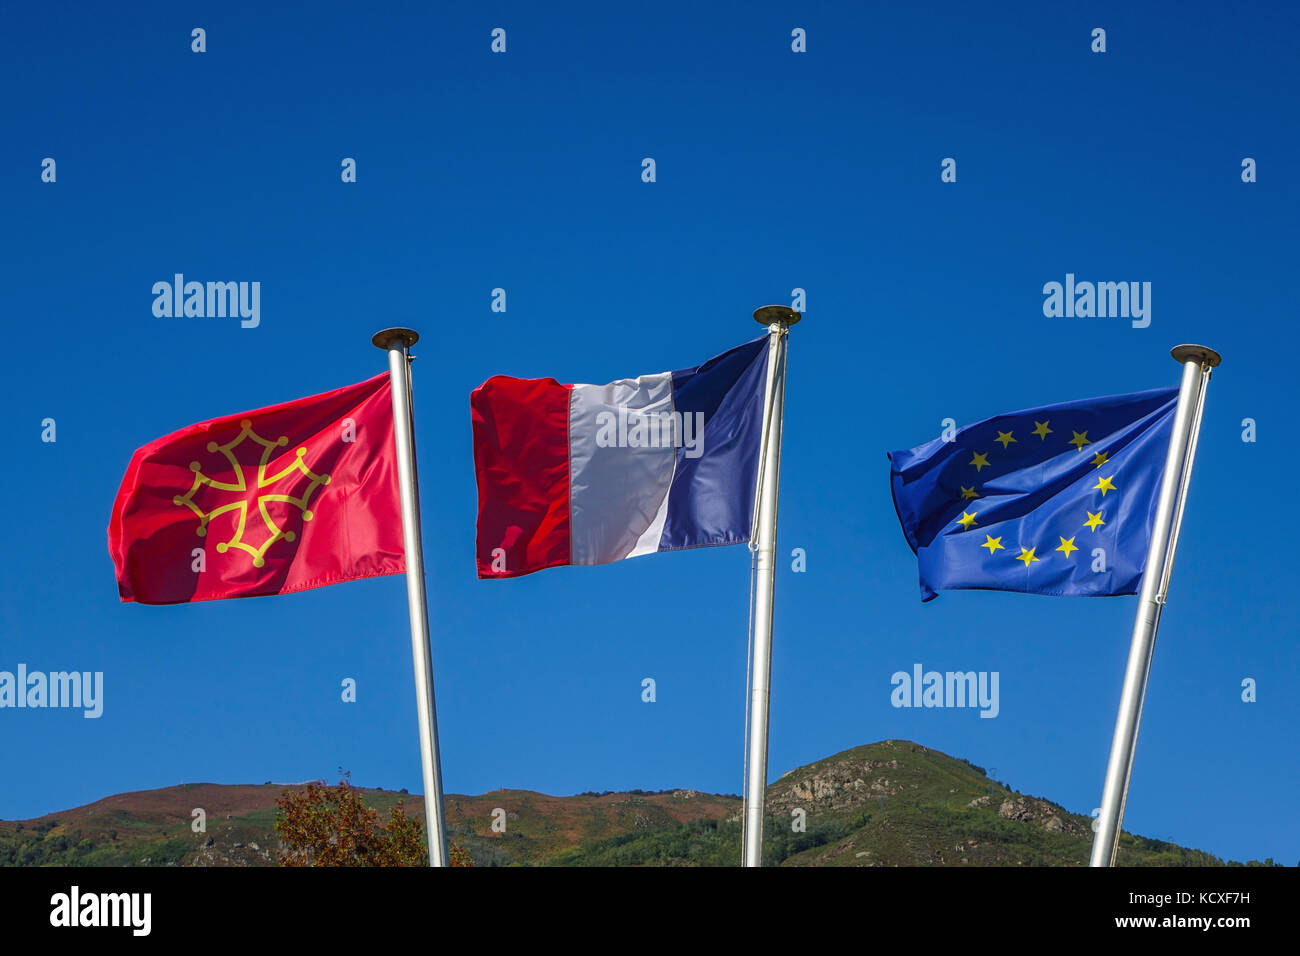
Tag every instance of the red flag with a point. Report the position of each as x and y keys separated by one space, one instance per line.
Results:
x=281 y=499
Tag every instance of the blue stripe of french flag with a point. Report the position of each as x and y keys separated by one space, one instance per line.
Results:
x=590 y=474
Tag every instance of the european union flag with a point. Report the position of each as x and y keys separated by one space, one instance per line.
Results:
x=1054 y=500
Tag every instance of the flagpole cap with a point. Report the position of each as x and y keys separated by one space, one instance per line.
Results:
x=384 y=339
x=1200 y=354
x=767 y=314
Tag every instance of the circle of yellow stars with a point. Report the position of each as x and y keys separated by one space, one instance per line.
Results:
x=1067 y=547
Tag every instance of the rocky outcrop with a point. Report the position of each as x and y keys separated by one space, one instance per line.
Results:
x=837 y=786
x=1030 y=810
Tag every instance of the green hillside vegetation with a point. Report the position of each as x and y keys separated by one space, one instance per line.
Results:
x=893 y=803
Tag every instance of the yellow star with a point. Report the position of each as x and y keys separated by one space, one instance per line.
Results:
x=1094 y=520
x=1005 y=438
x=1026 y=555
x=1105 y=485
x=1067 y=546
x=980 y=461
x=993 y=544
x=966 y=521
x=1100 y=458
x=1041 y=430
x=968 y=492
x=1079 y=440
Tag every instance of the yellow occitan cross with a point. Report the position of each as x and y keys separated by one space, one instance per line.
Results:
x=1005 y=438
x=1104 y=485
x=1041 y=430
x=980 y=461
x=966 y=520
x=1094 y=521
x=1067 y=546
x=241 y=485
x=1026 y=555
x=1079 y=440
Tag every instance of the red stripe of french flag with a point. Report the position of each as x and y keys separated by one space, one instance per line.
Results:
x=521 y=457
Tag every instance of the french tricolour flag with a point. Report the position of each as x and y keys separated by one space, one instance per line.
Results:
x=589 y=474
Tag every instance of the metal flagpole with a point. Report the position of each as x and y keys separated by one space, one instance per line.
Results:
x=397 y=342
x=778 y=319
x=1198 y=362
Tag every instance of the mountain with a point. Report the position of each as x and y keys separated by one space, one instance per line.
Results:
x=893 y=803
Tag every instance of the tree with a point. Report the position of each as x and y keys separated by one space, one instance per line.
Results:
x=321 y=825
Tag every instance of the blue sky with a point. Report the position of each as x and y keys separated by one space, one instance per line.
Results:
x=775 y=170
